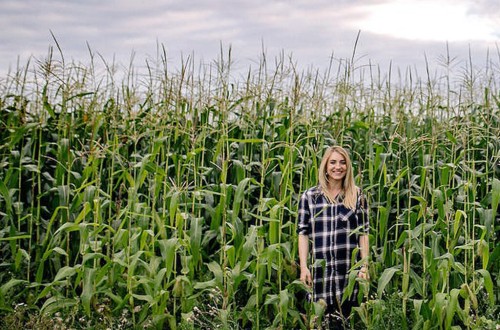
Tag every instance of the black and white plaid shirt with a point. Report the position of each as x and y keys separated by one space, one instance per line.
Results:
x=330 y=227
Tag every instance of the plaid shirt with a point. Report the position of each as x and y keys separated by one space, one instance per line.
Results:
x=329 y=226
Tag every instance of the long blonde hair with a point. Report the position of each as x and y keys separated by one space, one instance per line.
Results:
x=349 y=188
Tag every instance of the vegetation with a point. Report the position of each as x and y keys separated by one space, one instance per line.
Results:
x=169 y=199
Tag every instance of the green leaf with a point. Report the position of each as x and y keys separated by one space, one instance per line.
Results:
x=488 y=285
x=401 y=174
x=239 y=196
x=4 y=289
x=382 y=221
x=56 y=303
x=94 y=255
x=439 y=308
x=456 y=224
x=143 y=297
x=168 y=248
x=174 y=203
x=83 y=213
x=452 y=307
x=206 y=285
x=158 y=279
x=66 y=272
x=14 y=238
x=230 y=254
x=4 y=192
x=31 y=168
x=195 y=233
x=495 y=194
x=246 y=140
x=67 y=227
x=248 y=246
x=88 y=289
x=385 y=278
x=46 y=104
x=350 y=285
x=272 y=299
x=438 y=196
x=216 y=269
x=60 y=251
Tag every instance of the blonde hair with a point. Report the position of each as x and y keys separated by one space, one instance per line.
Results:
x=349 y=188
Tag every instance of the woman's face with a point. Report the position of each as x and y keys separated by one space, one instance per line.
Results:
x=336 y=167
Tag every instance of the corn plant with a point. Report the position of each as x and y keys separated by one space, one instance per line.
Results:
x=167 y=198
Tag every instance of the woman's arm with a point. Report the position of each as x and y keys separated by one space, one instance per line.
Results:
x=364 y=241
x=305 y=274
x=364 y=245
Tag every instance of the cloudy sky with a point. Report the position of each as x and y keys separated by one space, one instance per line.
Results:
x=311 y=31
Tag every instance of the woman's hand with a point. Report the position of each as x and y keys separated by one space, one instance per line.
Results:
x=364 y=244
x=305 y=276
x=363 y=273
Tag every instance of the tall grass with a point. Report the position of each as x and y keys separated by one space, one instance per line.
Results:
x=167 y=198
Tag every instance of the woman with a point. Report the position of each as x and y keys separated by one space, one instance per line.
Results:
x=333 y=215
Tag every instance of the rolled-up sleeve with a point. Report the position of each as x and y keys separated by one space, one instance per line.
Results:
x=304 y=217
x=362 y=214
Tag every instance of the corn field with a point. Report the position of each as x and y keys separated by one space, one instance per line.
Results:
x=168 y=199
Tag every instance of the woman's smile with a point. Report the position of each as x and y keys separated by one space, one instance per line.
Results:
x=336 y=166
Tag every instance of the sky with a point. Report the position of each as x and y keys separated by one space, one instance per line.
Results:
x=402 y=33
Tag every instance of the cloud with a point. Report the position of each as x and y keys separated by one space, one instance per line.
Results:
x=310 y=30
x=426 y=20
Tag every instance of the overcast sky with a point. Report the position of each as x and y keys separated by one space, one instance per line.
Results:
x=311 y=31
